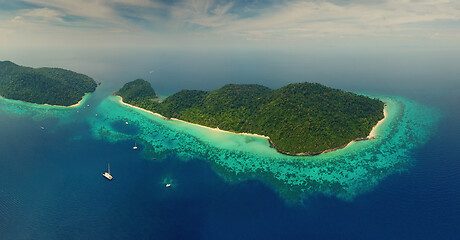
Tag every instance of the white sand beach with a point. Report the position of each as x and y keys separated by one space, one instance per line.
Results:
x=46 y=104
x=175 y=119
x=373 y=133
x=71 y=106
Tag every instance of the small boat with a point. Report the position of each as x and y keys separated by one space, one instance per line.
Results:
x=107 y=174
x=43 y=128
x=168 y=185
x=135 y=146
x=127 y=123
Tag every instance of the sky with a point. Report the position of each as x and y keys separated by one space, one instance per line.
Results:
x=195 y=24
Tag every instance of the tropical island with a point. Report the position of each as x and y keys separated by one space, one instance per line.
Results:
x=53 y=86
x=299 y=119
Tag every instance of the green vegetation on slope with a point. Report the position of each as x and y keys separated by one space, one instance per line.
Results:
x=298 y=118
x=53 y=86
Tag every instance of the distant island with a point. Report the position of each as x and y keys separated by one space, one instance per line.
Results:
x=299 y=119
x=53 y=86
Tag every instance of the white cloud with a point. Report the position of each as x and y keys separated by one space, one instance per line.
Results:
x=317 y=16
x=140 y=3
x=221 y=10
x=202 y=13
x=207 y=19
x=307 y=19
x=96 y=10
x=17 y=19
x=42 y=14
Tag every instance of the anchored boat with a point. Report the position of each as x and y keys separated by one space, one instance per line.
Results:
x=107 y=174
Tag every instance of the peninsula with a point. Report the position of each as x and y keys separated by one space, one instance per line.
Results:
x=299 y=119
x=53 y=86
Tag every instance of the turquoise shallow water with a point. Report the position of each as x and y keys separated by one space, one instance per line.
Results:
x=344 y=173
x=39 y=111
x=51 y=185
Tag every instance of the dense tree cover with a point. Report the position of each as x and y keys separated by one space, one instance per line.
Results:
x=54 y=86
x=301 y=117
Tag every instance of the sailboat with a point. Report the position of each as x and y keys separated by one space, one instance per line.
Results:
x=135 y=146
x=107 y=174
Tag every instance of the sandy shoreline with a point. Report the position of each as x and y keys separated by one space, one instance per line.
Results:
x=175 y=119
x=372 y=134
x=71 y=106
x=46 y=104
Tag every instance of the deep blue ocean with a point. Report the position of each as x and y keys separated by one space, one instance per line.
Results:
x=51 y=185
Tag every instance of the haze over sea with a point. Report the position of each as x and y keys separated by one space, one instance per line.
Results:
x=403 y=185
x=51 y=187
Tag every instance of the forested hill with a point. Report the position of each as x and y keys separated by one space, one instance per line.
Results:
x=303 y=118
x=54 y=86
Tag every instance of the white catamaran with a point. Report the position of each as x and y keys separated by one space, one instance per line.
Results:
x=107 y=174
